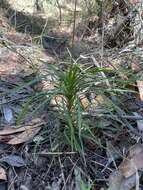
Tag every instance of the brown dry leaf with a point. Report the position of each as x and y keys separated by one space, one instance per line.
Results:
x=25 y=136
x=12 y=130
x=59 y=100
x=134 y=1
x=45 y=85
x=136 y=149
x=84 y=102
x=118 y=182
x=2 y=174
x=135 y=67
x=140 y=87
x=98 y=101
x=133 y=162
x=35 y=123
x=21 y=134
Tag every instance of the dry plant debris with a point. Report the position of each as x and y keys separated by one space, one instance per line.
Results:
x=118 y=181
x=140 y=87
x=18 y=135
x=3 y=174
x=133 y=162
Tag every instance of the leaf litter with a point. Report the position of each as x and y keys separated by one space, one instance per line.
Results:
x=129 y=172
x=122 y=171
x=13 y=160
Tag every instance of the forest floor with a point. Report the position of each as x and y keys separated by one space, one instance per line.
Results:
x=34 y=153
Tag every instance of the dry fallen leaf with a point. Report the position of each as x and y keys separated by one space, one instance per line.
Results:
x=59 y=100
x=13 y=160
x=21 y=134
x=134 y=1
x=24 y=136
x=99 y=102
x=8 y=114
x=14 y=129
x=118 y=182
x=3 y=174
x=84 y=102
x=136 y=149
x=140 y=87
x=135 y=66
x=133 y=162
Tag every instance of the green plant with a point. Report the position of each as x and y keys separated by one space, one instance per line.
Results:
x=69 y=85
x=68 y=82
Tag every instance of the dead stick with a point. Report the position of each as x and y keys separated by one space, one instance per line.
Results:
x=74 y=24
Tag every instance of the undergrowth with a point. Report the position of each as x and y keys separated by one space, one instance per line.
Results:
x=65 y=85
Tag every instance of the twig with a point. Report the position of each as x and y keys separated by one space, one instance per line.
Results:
x=60 y=11
x=103 y=32
x=105 y=167
x=70 y=173
x=74 y=24
x=62 y=172
x=131 y=117
x=55 y=153
x=102 y=73
x=97 y=65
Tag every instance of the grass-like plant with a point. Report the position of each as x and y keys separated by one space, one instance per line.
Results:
x=66 y=84
x=70 y=83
